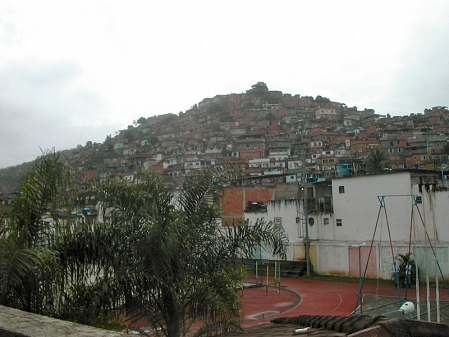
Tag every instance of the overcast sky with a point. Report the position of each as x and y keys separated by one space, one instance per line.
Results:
x=74 y=71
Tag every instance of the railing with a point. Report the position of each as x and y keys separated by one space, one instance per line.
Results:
x=320 y=205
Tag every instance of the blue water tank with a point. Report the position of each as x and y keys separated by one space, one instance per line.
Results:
x=344 y=170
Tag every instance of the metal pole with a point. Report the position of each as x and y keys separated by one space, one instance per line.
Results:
x=268 y=271
x=360 y=280
x=360 y=296
x=304 y=205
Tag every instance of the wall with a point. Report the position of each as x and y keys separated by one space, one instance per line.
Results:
x=232 y=206
x=332 y=258
x=358 y=207
x=234 y=201
x=417 y=227
x=364 y=220
x=16 y=323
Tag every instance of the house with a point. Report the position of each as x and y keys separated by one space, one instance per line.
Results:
x=252 y=154
x=327 y=113
x=362 y=147
x=395 y=146
x=195 y=164
x=250 y=143
x=353 y=210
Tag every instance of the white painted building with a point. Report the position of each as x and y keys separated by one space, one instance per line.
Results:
x=385 y=209
x=391 y=213
x=259 y=163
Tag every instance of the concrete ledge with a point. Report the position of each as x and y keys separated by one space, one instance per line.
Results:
x=17 y=323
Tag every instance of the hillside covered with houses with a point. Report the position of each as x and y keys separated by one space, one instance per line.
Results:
x=275 y=140
x=268 y=134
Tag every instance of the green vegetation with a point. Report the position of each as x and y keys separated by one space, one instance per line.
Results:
x=161 y=262
x=153 y=140
x=11 y=177
x=378 y=160
x=446 y=149
x=168 y=118
x=29 y=265
x=226 y=118
x=141 y=121
x=214 y=108
x=260 y=89
x=407 y=270
x=128 y=133
x=269 y=117
x=321 y=99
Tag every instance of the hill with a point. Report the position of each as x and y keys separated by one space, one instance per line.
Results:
x=259 y=130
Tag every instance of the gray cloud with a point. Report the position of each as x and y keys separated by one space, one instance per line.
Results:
x=423 y=77
x=41 y=106
x=144 y=60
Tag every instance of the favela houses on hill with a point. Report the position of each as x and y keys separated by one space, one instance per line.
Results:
x=313 y=183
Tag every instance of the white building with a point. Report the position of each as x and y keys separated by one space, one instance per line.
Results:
x=391 y=213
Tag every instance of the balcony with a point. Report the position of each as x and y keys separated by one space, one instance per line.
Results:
x=320 y=205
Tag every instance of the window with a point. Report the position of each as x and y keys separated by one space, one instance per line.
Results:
x=326 y=221
x=339 y=222
x=341 y=189
x=278 y=222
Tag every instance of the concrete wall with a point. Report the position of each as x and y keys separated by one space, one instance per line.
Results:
x=287 y=212
x=357 y=203
x=358 y=207
x=16 y=323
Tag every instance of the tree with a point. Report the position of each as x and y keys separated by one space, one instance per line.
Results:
x=260 y=89
x=163 y=259
x=378 y=160
x=168 y=118
x=128 y=133
x=269 y=117
x=446 y=149
x=153 y=257
x=321 y=99
x=153 y=140
x=141 y=121
x=28 y=263
x=214 y=108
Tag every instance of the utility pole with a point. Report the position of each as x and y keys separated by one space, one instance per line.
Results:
x=304 y=206
x=301 y=129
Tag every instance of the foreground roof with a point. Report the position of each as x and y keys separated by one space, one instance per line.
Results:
x=352 y=326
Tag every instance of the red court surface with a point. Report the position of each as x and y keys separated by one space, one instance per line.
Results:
x=302 y=296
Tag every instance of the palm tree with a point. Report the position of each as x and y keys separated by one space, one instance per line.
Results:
x=156 y=256
x=377 y=160
x=163 y=258
x=28 y=264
